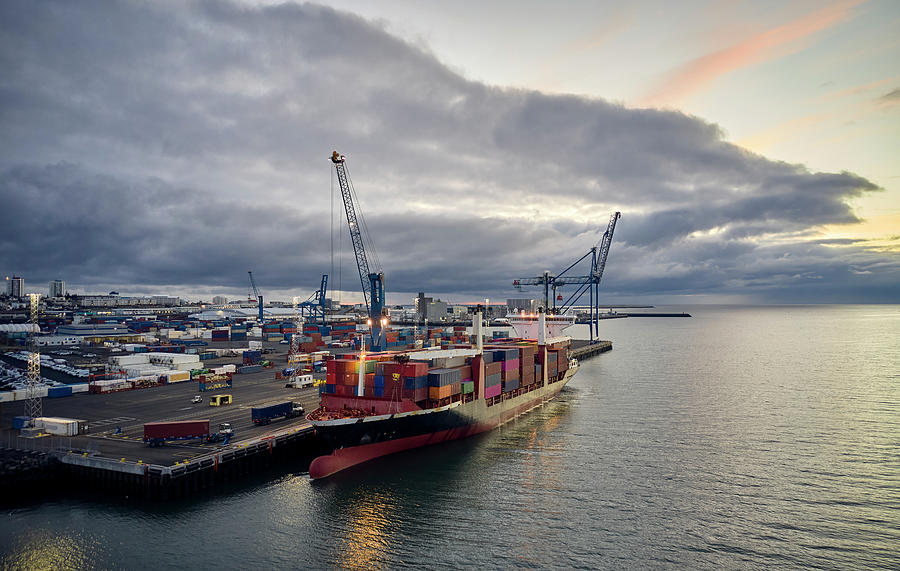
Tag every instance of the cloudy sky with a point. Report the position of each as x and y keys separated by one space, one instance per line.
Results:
x=169 y=147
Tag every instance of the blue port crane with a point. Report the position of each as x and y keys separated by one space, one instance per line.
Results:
x=372 y=282
x=589 y=283
x=314 y=307
x=255 y=293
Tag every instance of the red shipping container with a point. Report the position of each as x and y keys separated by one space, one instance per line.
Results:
x=510 y=375
x=176 y=429
x=493 y=391
x=493 y=368
x=346 y=391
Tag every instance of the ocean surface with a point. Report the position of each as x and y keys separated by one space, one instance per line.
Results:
x=742 y=437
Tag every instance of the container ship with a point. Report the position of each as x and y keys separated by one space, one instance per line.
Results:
x=384 y=403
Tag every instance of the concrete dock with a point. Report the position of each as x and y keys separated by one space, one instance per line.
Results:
x=585 y=349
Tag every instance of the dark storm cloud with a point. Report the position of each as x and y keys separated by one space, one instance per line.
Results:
x=184 y=143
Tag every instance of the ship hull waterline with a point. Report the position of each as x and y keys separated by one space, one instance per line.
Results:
x=428 y=428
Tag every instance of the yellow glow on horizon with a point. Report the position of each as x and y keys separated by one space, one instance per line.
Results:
x=879 y=232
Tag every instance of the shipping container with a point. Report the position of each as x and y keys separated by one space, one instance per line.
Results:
x=58 y=392
x=439 y=392
x=57 y=426
x=174 y=430
x=510 y=385
x=443 y=377
x=264 y=414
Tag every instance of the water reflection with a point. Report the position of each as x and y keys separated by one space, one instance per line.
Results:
x=44 y=549
x=366 y=530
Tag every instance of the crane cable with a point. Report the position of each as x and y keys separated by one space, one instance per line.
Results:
x=364 y=229
x=340 y=243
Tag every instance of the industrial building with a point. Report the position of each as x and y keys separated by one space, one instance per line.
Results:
x=57 y=288
x=15 y=287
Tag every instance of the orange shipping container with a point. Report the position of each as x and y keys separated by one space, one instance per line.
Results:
x=438 y=393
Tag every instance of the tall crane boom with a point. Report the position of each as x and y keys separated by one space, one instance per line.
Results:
x=604 y=247
x=259 y=297
x=372 y=282
x=590 y=283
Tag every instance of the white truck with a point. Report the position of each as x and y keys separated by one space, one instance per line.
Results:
x=300 y=381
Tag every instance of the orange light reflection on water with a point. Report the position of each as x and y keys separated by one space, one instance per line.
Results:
x=367 y=531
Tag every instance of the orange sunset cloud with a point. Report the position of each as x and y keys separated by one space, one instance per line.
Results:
x=697 y=74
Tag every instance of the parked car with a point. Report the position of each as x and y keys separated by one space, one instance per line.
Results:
x=197 y=399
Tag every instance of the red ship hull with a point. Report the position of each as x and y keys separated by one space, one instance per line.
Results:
x=361 y=441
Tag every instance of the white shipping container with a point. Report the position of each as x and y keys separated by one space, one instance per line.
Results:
x=7 y=396
x=172 y=358
x=255 y=345
x=82 y=388
x=230 y=368
x=134 y=359
x=144 y=371
x=57 y=426
x=206 y=334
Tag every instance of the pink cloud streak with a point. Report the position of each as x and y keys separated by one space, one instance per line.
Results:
x=699 y=73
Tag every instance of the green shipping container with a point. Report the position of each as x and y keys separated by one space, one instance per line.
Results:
x=468 y=387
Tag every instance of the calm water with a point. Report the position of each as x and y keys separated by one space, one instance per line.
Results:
x=739 y=438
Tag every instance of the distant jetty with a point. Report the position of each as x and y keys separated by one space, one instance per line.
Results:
x=657 y=314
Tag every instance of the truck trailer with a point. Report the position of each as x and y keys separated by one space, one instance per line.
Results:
x=265 y=413
x=157 y=433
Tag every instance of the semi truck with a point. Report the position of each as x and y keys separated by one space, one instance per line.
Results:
x=265 y=413
x=224 y=435
x=158 y=433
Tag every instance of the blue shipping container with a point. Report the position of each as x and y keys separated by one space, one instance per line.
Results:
x=57 y=392
x=510 y=385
